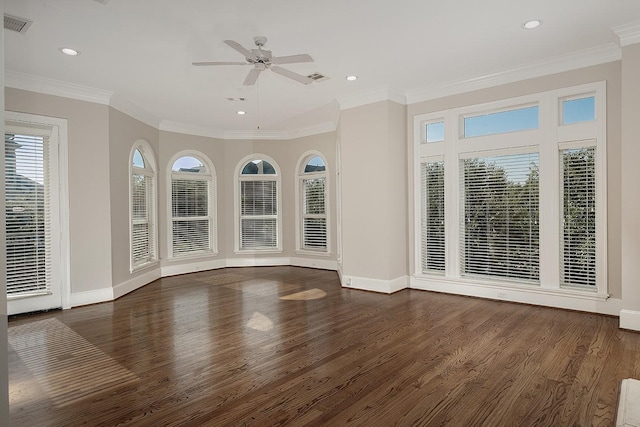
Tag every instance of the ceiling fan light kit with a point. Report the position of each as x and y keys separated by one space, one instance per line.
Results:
x=262 y=59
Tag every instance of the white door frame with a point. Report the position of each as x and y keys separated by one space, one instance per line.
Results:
x=63 y=195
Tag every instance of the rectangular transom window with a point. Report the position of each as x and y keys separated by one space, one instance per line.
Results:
x=578 y=110
x=435 y=132
x=517 y=119
x=432 y=214
x=500 y=219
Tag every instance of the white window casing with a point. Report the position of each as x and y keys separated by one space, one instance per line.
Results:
x=547 y=240
x=143 y=207
x=312 y=205
x=257 y=205
x=192 y=231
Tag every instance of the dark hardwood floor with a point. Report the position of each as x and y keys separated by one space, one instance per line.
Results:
x=287 y=346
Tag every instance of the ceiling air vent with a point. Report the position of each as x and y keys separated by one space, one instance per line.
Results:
x=317 y=77
x=242 y=98
x=14 y=23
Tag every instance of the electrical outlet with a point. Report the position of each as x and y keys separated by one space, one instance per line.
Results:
x=348 y=281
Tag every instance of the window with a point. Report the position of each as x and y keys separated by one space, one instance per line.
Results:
x=259 y=200
x=512 y=120
x=499 y=228
x=578 y=110
x=432 y=205
x=579 y=217
x=312 y=202
x=143 y=206
x=525 y=210
x=192 y=205
x=435 y=132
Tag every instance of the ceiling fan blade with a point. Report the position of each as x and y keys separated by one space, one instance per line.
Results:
x=252 y=77
x=295 y=76
x=237 y=46
x=205 y=63
x=292 y=59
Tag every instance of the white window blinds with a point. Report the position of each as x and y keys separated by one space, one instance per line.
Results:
x=432 y=216
x=314 y=216
x=258 y=214
x=28 y=220
x=499 y=226
x=142 y=210
x=578 y=257
x=190 y=215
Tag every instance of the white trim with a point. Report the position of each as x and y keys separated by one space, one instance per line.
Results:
x=318 y=129
x=62 y=191
x=284 y=135
x=237 y=178
x=91 y=297
x=323 y=264
x=129 y=108
x=257 y=262
x=211 y=178
x=299 y=202
x=628 y=414
x=189 y=129
x=593 y=56
x=535 y=295
x=628 y=34
x=192 y=267
x=136 y=282
x=48 y=86
x=375 y=95
x=375 y=285
x=630 y=319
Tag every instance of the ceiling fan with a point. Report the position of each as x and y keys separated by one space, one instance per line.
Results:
x=261 y=60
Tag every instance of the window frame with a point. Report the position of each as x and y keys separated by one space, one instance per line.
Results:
x=238 y=178
x=150 y=171
x=212 y=211
x=549 y=139
x=301 y=176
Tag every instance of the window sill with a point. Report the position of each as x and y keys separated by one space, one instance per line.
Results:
x=313 y=253
x=190 y=256
x=146 y=265
x=502 y=288
x=256 y=251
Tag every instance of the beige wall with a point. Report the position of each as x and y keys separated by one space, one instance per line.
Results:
x=631 y=178
x=611 y=73
x=124 y=131
x=374 y=191
x=89 y=208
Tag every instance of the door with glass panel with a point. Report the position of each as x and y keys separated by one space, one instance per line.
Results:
x=32 y=217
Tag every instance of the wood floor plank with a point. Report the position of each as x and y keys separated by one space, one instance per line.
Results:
x=288 y=346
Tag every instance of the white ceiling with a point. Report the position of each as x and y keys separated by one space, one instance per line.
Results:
x=141 y=50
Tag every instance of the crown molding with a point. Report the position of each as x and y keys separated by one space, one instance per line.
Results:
x=584 y=58
x=369 y=97
x=312 y=130
x=127 y=107
x=47 y=86
x=189 y=129
x=628 y=34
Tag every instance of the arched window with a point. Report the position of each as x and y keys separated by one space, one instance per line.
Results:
x=142 y=209
x=192 y=206
x=311 y=197
x=258 y=219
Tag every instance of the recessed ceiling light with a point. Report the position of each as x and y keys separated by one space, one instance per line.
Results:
x=352 y=78
x=69 y=51
x=241 y=113
x=530 y=25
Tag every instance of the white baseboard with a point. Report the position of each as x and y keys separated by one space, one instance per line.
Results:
x=257 y=262
x=135 y=283
x=534 y=295
x=91 y=297
x=630 y=319
x=192 y=267
x=322 y=264
x=375 y=285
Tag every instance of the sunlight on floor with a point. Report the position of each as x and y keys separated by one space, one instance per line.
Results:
x=306 y=295
x=260 y=322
